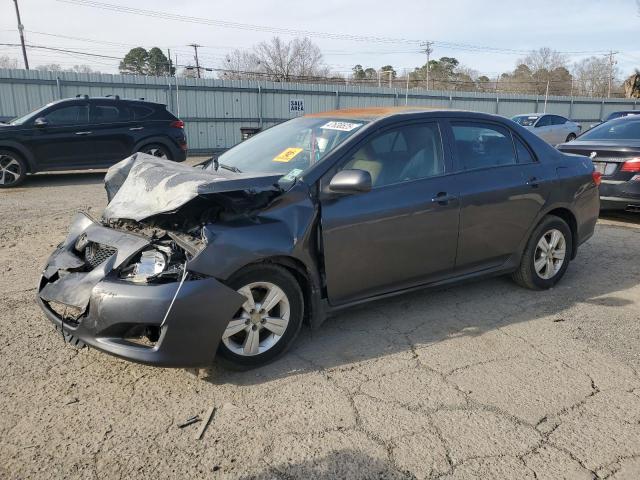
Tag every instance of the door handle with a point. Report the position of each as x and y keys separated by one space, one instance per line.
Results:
x=132 y=129
x=84 y=133
x=533 y=182
x=443 y=198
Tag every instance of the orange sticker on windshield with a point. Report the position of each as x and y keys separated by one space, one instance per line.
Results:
x=287 y=155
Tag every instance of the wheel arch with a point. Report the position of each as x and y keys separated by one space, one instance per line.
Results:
x=313 y=310
x=569 y=217
x=164 y=141
x=18 y=149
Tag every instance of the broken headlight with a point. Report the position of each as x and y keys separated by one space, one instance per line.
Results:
x=151 y=263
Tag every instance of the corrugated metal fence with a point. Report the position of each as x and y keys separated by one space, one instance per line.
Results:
x=215 y=110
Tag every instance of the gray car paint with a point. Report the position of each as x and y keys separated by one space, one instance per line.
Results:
x=358 y=247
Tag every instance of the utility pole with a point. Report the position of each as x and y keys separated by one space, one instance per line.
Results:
x=428 y=50
x=21 y=30
x=612 y=62
x=195 y=49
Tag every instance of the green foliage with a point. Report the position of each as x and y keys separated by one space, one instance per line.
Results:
x=139 y=61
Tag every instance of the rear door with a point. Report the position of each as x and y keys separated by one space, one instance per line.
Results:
x=110 y=126
x=65 y=141
x=561 y=129
x=502 y=188
x=404 y=231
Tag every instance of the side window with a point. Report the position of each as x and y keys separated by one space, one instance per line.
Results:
x=558 y=120
x=140 y=112
x=107 y=114
x=71 y=115
x=402 y=154
x=482 y=145
x=524 y=154
x=544 y=121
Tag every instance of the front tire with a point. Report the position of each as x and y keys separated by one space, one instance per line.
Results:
x=268 y=322
x=13 y=169
x=546 y=256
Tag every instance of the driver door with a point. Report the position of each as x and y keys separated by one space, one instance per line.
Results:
x=404 y=231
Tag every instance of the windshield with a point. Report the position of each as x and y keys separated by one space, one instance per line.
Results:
x=525 y=120
x=24 y=118
x=620 y=129
x=288 y=148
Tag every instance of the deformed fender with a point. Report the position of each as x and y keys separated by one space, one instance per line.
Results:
x=286 y=229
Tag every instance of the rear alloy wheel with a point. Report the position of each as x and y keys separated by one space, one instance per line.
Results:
x=571 y=137
x=268 y=321
x=547 y=255
x=157 y=150
x=13 y=169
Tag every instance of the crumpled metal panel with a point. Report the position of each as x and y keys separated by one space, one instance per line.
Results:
x=142 y=186
x=74 y=288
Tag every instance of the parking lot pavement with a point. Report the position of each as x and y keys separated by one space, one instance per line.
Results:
x=484 y=380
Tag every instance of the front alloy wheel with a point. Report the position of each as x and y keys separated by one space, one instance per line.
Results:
x=261 y=322
x=267 y=322
x=12 y=170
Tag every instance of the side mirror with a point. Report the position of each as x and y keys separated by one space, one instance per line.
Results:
x=41 y=122
x=351 y=181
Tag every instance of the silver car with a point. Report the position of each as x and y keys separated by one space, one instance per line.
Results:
x=552 y=128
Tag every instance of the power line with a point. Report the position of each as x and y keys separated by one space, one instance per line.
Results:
x=299 y=32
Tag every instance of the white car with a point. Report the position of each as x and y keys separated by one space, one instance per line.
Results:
x=552 y=128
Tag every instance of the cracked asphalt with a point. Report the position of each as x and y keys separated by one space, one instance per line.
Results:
x=484 y=380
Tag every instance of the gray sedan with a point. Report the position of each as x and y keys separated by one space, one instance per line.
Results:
x=306 y=218
x=552 y=128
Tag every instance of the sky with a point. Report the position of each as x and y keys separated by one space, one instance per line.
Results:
x=488 y=36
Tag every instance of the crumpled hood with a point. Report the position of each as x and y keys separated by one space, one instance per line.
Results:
x=142 y=186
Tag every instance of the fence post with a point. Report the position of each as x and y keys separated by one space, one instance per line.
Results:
x=450 y=101
x=497 y=104
x=571 y=108
x=395 y=99
x=601 y=111
x=260 y=105
x=537 y=104
x=58 y=84
x=337 y=100
x=635 y=103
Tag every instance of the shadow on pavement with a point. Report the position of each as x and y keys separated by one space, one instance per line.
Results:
x=401 y=324
x=345 y=463
x=46 y=180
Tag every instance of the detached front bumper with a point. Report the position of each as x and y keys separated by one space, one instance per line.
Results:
x=189 y=319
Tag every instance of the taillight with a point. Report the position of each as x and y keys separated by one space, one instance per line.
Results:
x=632 y=165
x=597 y=177
x=177 y=124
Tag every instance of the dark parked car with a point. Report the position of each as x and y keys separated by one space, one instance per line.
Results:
x=614 y=147
x=308 y=217
x=83 y=133
x=614 y=115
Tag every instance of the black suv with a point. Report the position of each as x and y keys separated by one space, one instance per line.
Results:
x=82 y=133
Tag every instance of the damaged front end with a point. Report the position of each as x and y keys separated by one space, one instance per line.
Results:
x=124 y=285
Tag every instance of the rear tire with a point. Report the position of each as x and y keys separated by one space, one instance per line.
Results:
x=546 y=256
x=13 y=169
x=571 y=137
x=157 y=150
x=259 y=333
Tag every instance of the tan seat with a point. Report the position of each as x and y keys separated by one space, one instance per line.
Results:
x=363 y=160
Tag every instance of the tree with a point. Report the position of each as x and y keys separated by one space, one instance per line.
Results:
x=277 y=60
x=158 y=64
x=389 y=68
x=50 y=67
x=135 y=62
x=592 y=77
x=8 y=62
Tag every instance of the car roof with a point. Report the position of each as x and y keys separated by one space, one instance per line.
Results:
x=375 y=113
x=105 y=99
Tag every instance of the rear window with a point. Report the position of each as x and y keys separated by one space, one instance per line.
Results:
x=620 y=129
